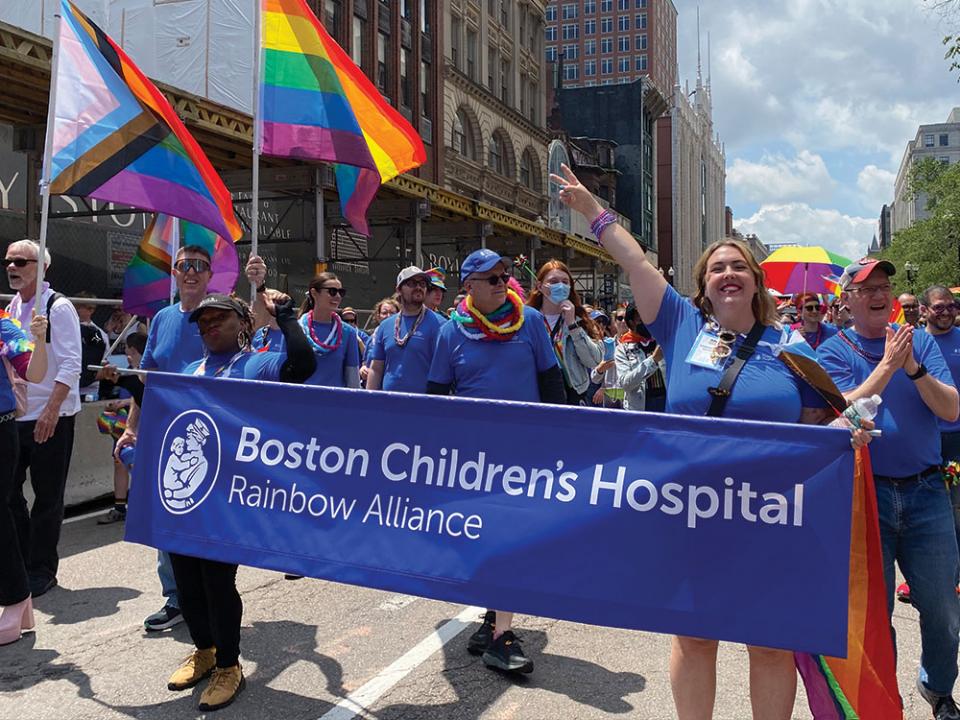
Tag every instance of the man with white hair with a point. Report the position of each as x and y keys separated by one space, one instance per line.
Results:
x=46 y=429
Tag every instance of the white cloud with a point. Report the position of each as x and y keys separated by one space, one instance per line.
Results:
x=800 y=224
x=777 y=178
x=876 y=186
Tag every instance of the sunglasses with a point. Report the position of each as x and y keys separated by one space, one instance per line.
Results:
x=811 y=308
x=416 y=283
x=621 y=318
x=198 y=265
x=333 y=292
x=495 y=280
x=940 y=309
x=17 y=262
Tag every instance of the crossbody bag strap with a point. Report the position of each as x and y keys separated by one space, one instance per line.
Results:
x=721 y=393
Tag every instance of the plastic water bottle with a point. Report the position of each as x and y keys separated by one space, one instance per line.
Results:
x=609 y=348
x=127 y=455
x=862 y=409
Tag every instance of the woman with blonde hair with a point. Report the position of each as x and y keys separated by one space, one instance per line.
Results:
x=576 y=339
x=731 y=313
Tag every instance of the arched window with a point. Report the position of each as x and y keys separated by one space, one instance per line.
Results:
x=530 y=170
x=559 y=213
x=496 y=154
x=463 y=141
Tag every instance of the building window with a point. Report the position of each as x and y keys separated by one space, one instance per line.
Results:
x=590 y=47
x=623 y=65
x=425 y=89
x=382 y=62
x=623 y=4
x=550 y=33
x=359 y=33
x=606 y=46
x=606 y=25
x=534 y=105
x=405 y=78
x=623 y=43
x=606 y=6
x=526 y=175
x=506 y=74
x=424 y=17
x=570 y=11
x=331 y=17
x=944 y=159
x=589 y=7
x=589 y=68
x=944 y=140
x=623 y=23
x=928 y=140
x=551 y=54
x=497 y=154
x=641 y=21
x=571 y=72
x=590 y=83
x=640 y=63
x=492 y=58
x=607 y=82
x=641 y=42
x=571 y=32
x=589 y=27
x=570 y=52
x=606 y=66
x=472 y=55
x=455 y=41
x=625 y=79
x=406 y=9
x=551 y=13
x=505 y=13
x=641 y=4
x=463 y=140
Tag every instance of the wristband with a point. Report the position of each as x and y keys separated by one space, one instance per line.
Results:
x=262 y=288
x=574 y=325
x=601 y=223
x=921 y=371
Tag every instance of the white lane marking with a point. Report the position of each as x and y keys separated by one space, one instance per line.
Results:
x=84 y=517
x=398 y=602
x=361 y=699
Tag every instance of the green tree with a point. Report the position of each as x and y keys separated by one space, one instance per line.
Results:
x=932 y=244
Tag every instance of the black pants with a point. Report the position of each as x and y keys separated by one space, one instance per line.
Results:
x=210 y=605
x=49 y=463
x=14 y=586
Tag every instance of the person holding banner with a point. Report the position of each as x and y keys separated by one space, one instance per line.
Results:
x=403 y=344
x=209 y=599
x=725 y=335
x=495 y=347
x=21 y=363
x=906 y=368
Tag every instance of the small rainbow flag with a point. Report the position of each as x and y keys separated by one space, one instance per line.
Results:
x=316 y=104
x=116 y=138
x=146 y=282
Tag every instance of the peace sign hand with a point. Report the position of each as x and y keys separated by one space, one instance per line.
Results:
x=574 y=195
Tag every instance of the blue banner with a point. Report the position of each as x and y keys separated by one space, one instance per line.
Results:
x=712 y=528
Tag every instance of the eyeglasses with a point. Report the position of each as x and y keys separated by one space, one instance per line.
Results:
x=333 y=292
x=17 y=262
x=495 y=280
x=621 y=318
x=416 y=283
x=871 y=291
x=941 y=308
x=811 y=308
x=198 y=265
x=349 y=320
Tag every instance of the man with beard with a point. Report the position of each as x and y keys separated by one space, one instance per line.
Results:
x=403 y=344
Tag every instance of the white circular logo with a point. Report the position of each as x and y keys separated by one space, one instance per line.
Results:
x=189 y=461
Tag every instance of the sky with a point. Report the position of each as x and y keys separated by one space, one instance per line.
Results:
x=815 y=101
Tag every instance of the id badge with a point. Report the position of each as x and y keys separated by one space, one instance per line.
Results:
x=702 y=354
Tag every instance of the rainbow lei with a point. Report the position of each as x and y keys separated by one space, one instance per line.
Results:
x=500 y=325
x=17 y=345
x=322 y=347
x=951 y=472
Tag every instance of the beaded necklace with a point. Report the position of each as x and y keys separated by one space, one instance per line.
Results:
x=225 y=368
x=322 y=347
x=402 y=341
x=500 y=325
x=868 y=356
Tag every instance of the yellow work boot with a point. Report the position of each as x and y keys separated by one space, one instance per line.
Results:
x=223 y=688
x=195 y=668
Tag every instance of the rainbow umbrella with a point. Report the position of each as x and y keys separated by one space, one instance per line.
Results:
x=802 y=268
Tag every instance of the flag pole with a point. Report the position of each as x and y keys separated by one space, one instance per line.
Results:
x=47 y=162
x=321 y=262
x=174 y=249
x=257 y=139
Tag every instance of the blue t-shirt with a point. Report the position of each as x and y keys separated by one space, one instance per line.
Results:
x=816 y=339
x=766 y=389
x=911 y=434
x=332 y=365
x=268 y=339
x=405 y=369
x=491 y=369
x=949 y=344
x=13 y=342
x=173 y=341
x=248 y=366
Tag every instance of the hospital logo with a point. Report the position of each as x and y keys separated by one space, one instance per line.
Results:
x=189 y=461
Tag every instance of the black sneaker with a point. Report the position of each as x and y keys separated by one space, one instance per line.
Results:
x=482 y=638
x=116 y=514
x=506 y=654
x=289 y=576
x=165 y=617
x=946 y=709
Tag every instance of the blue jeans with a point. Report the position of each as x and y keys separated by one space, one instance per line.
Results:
x=917 y=531
x=167 y=583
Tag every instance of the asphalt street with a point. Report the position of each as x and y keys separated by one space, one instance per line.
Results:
x=314 y=650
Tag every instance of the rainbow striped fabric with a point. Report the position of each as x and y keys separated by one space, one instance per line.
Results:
x=116 y=138
x=146 y=282
x=316 y=104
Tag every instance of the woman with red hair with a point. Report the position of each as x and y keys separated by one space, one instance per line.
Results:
x=577 y=341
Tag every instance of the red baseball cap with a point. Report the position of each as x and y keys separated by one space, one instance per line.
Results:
x=860 y=271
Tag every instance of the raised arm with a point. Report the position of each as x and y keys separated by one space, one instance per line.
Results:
x=646 y=282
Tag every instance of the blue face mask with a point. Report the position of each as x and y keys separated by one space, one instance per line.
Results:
x=558 y=292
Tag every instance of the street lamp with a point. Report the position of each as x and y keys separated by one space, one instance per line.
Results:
x=911 y=270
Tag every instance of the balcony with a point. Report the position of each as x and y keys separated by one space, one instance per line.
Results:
x=485 y=185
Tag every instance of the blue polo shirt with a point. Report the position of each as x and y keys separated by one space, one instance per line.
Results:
x=249 y=366
x=332 y=365
x=173 y=342
x=491 y=369
x=911 y=433
x=405 y=369
x=268 y=339
x=949 y=344
x=766 y=389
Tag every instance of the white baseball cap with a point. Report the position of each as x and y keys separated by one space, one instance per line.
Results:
x=408 y=273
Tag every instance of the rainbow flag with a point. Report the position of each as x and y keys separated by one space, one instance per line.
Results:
x=116 y=138
x=316 y=104
x=146 y=282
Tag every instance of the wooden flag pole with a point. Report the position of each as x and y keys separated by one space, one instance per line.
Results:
x=47 y=162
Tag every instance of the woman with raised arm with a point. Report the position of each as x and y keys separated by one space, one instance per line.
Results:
x=730 y=309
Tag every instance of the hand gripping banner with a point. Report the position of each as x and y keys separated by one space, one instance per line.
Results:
x=713 y=528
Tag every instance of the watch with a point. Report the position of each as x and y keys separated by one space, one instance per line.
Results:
x=921 y=371
x=574 y=325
